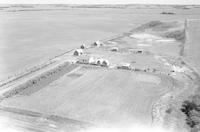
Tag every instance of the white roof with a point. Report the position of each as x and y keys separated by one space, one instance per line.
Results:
x=125 y=64
x=97 y=42
x=99 y=59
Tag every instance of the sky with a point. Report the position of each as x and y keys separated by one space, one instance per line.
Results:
x=185 y=2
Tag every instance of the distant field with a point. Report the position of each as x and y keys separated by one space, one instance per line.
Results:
x=97 y=95
x=31 y=34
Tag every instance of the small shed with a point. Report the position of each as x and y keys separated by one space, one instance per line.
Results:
x=114 y=49
x=137 y=51
x=126 y=66
x=98 y=43
x=83 y=60
x=78 y=52
x=83 y=46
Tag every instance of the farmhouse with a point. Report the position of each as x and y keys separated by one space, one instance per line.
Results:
x=78 y=52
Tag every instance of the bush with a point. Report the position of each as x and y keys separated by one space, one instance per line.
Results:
x=178 y=35
x=192 y=112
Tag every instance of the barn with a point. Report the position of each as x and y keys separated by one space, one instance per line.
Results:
x=105 y=63
x=99 y=61
x=102 y=62
x=92 y=61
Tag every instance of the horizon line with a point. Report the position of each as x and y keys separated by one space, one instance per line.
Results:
x=93 y=4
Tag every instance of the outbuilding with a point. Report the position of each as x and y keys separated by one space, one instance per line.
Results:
x=83 y=46
x=83 y=60
x=114 y=49
x=78 y=52
x=126 y=66
x=137 y=51
x=98 y=43
x=102 y=62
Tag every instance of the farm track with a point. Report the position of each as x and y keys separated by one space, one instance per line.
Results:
x=40 y=115
x=40 y=122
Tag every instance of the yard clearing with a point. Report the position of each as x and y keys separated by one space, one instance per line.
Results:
x=97 y=96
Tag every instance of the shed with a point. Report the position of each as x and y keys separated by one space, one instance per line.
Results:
x=114 y=49
x=126 y=66
x=78 y=52
x=98 y=43
x=83 y=60
x=83 y=46
x=137 y=51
